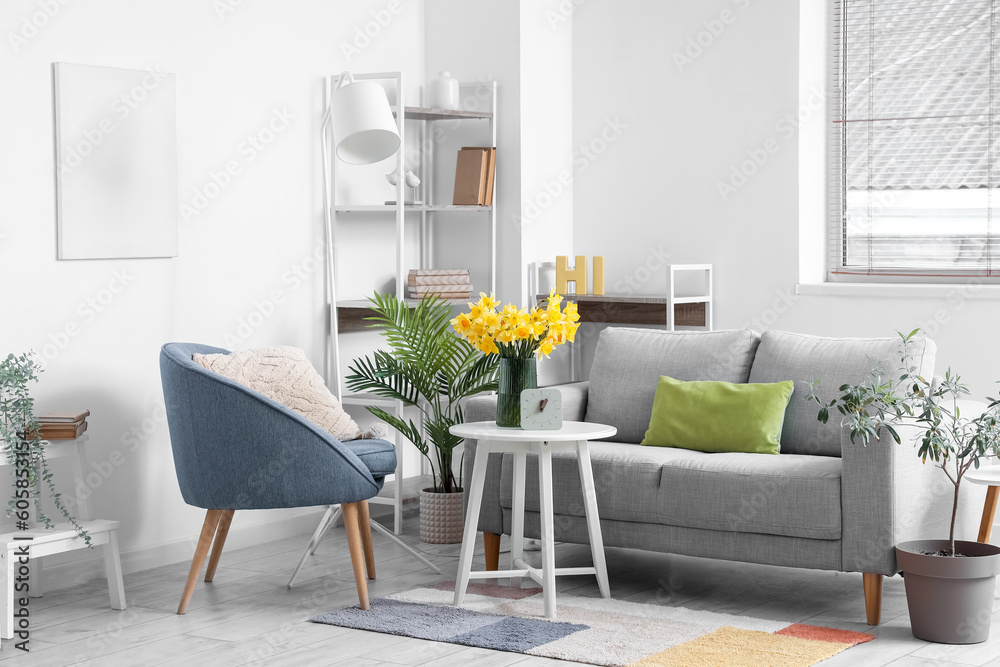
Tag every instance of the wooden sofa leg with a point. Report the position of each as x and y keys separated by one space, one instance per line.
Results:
x=220 y=541
x=873 y=597
x=491 y=542
x=350 y=512
x=365 y=525
x=212 y=518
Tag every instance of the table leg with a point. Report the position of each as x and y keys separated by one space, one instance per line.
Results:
x=989 y=513
x=517 y=516
x=593 y=518
x=471 y=520
x=7 y=607
x=548 y=532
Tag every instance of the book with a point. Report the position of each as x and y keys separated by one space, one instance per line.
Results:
x=428 y=281
x=62 y=432
x=440 y=272
x=444 y=295
x=491 y=169
x=439 y=289
x=64 y=417
x=471 y=168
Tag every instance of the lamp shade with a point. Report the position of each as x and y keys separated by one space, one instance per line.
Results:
x=363 y=127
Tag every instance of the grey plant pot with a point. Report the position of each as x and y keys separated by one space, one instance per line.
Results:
x=950 y=599
x=441 y=520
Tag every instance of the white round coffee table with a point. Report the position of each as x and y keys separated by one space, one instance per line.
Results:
x=493 y=439
x=990 y=477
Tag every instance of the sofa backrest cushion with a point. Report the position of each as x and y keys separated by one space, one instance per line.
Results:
x=628 y=364
x=833 y=362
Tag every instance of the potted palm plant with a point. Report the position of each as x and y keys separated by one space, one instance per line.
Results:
x=430 y=368
x=24 y=447
x=949 y=582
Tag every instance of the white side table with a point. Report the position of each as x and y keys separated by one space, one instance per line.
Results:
x=493 y=439
x=990 y=477
x=61 y=539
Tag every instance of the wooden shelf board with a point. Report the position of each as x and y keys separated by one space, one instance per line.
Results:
x=411 y=490
x=410 y=208
x=636 y=309
x=425 y=113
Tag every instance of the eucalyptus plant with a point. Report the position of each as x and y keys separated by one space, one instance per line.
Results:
x=954 y=442
x=23 y=445
x=426 y=366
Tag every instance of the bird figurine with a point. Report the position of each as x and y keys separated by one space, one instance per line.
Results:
x=409 y=178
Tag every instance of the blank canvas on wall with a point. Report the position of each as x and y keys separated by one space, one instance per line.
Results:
x=116 y=162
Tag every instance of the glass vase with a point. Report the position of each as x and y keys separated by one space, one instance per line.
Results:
x=514 y=376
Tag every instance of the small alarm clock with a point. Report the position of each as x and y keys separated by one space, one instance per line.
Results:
x=541 y=409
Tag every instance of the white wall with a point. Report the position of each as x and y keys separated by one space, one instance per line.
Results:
x=700 y=88
x=254 y=240
x=476 y=41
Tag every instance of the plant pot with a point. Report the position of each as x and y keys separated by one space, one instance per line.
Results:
x=441 y=520
x=950 y=599
x=514 y=376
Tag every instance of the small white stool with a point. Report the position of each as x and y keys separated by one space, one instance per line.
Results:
x=63 y=537
x=493 y=439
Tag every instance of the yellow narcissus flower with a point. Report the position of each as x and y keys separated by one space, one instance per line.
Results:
x=518 y=332
x=488 y=346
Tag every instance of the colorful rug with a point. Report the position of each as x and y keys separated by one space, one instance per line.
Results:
x=594 y=630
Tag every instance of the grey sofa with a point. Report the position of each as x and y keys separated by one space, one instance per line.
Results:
x=821 y=503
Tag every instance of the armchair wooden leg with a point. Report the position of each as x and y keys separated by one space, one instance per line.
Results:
x=220 y=541
x=491 y=542
x=350 y=511
x=365 y=525
x=873 y=597
x=212 y=518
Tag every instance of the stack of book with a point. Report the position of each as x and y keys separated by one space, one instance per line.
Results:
x=474 y=175
x=442 y=283
x=62 y=425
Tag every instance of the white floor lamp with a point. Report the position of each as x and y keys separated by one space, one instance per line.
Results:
x=365 y=132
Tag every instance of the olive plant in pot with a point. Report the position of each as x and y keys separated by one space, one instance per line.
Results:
x=24 y=447
x=430 y=368
x=949 y=582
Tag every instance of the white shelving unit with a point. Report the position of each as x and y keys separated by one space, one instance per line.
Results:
x=349 y=311
x=673 y=299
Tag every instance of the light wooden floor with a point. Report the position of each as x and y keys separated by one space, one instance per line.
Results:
x=248 y=616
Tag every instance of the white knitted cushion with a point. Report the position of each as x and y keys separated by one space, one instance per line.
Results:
x=285 y=375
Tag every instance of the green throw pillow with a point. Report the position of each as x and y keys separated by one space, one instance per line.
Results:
x=718 y=416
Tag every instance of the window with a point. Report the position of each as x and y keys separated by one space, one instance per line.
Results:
x=914 y=139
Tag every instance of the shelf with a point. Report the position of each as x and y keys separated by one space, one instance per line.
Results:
x=368 y=399
x=352 y=314
x=424 y=113
x=637 y=309
x=411 y=490
x=692 y=299
x=415 y=208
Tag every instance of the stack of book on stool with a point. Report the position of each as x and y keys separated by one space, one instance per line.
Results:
x=442 y=283
x=62 y=425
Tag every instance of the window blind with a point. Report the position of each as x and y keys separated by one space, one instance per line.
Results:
x=914 y=138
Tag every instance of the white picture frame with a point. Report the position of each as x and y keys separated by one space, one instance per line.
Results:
x=115 y=162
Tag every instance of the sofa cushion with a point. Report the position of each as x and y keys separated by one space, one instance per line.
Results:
x=797 y=496
x=712 y=416
x=626 y=480
x=834 y=362
x=629 y=362
x=789 y=494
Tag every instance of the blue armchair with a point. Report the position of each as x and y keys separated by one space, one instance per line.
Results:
x=236 y=449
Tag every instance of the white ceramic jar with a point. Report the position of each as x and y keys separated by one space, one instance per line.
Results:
x=444 y=92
